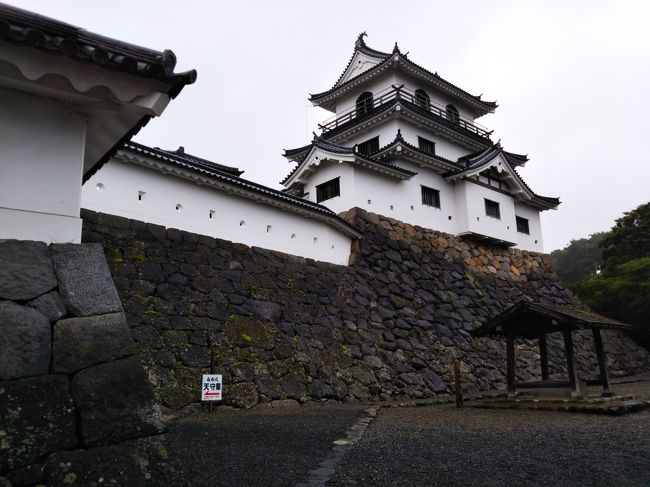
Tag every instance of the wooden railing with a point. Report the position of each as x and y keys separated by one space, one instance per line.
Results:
x=398 y=92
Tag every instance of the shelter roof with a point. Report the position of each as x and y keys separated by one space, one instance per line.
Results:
x=480 y=106
x=528 y=319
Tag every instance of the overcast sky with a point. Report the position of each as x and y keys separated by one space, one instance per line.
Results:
x=572 y=80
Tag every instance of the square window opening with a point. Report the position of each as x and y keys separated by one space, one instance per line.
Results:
x=430 y=197
x=492 y=209
x=522 y=225
x=328 y=190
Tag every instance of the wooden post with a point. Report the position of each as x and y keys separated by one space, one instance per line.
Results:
x=510 y=358
x=571 y=363
x=459 y=384
x=543 y=355
x=213 y=368
x=602 y=362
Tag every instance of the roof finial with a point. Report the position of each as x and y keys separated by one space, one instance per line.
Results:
x=396 y=49
x=181 y=149
x=360 y=42
x=399 y=135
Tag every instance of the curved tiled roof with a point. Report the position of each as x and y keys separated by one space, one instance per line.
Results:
x=487 y=106
x=218 y=174
x=399 y=140
x=180 y=154
x=321 y=143
x=25 y=28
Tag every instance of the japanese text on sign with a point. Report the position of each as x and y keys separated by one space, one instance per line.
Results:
x=211 y=387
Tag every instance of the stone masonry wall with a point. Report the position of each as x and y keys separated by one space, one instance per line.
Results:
x=291 y=329
x=76 y=405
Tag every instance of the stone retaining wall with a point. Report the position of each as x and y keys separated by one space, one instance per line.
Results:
x=289 y=329
x=76 y=405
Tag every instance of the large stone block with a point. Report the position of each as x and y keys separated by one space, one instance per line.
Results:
x=50 y=304
x=81 y=342
x=25 y=270
x=136 y=463
x=116 y=402
x=36 y=418
x=25 y=338
x=85 y=281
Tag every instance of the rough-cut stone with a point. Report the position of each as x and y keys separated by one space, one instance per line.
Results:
x=51 y=305
x=242 y=395
x=36 y=418
x=25 y=270
x=25 y=338
x=85 y=282
x=136 y=463
x=82 y=342
x=390 y=324
x=116 y=402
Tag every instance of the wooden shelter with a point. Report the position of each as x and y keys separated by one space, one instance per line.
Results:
x=536 y=320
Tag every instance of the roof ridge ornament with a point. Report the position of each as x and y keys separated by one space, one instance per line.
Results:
x=396 y=49
x=398 y=137
x=360 y=42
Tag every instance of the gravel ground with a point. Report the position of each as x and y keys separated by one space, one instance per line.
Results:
x=445 y=446
x=259 y=447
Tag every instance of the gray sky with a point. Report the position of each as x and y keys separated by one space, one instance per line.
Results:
x=572 y=80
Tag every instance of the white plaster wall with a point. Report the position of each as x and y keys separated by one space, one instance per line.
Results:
x=477 y=221
x=533 y=241
x=327 y=171
x=288 y=232
x=42 y=161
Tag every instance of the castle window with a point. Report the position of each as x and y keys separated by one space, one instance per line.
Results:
x=422 y=99
x=430 y=197
x=426 y=145
x=364 y=103
x=328 y=190
x=369 y=146
x=452 y=113
x=492 y=209
x=522 y=225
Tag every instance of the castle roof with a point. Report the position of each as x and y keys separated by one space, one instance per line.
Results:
x=227 y=178
x=395 y=60
x=304 y=160
x=504 y=162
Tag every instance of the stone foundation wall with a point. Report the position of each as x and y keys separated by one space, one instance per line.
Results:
x=75 y=402
x=291 y=329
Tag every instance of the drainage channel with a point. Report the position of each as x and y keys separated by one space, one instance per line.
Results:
x=320 y=475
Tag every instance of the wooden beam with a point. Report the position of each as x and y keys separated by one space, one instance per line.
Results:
x=543 y=355
x=510 y=358
x=571 y=363
x=602 y=362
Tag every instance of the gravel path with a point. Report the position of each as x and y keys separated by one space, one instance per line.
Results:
x=445 y=446
x=259 y=447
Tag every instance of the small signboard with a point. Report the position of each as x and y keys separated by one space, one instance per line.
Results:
x=211 y=387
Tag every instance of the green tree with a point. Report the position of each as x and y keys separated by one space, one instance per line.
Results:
x=622 y=289
x=629 y=238
x=579 y=259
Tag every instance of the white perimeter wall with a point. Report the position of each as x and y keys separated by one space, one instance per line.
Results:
x=235 y=218
x=42 y=159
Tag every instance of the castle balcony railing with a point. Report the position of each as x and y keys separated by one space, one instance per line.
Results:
x=398 y=92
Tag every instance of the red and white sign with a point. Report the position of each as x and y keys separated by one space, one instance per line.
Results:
x=211 y=389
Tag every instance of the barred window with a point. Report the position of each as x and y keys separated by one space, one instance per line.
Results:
x=369 y=146
x=522 y=225
x=426 y=145
x=422 y=99
x=492 y=209
x=430 y=197
x=452 y=113
x=328 y=190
